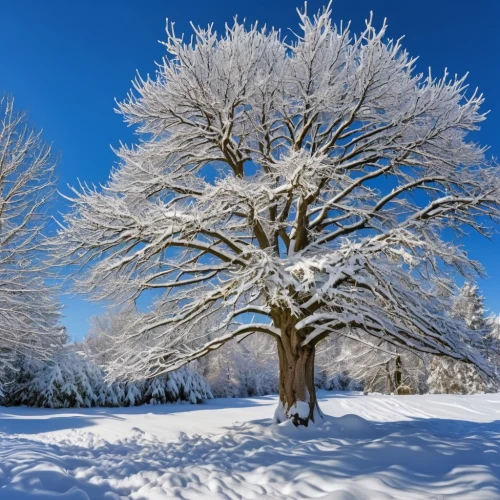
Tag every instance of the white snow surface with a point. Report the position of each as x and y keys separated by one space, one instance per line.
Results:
x=368 y=447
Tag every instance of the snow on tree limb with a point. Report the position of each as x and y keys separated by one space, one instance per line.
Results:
x=29 y=311
x=313 y=176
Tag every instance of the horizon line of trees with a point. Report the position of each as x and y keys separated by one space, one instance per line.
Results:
x=76 y=375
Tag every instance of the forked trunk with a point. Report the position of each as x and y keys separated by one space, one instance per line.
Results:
x=297 y=391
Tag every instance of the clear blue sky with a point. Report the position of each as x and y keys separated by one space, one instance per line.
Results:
x=66 y=61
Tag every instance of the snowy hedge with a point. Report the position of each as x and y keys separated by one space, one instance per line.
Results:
x=72 y=381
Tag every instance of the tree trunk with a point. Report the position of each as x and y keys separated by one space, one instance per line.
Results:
x=398 y=375
x=296 y=363
x=390 y=382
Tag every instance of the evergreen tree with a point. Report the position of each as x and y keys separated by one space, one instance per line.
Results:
x=449 y=376
x=72 y=380
x=469 y=307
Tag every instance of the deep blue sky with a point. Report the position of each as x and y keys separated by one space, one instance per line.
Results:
x=66 y=61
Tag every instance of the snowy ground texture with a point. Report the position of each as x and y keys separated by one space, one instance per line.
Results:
x=370 y=447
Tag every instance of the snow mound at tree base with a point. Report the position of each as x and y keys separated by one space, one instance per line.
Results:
x=347 y=457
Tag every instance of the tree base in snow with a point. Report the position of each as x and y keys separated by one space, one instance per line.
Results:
x=298 y=414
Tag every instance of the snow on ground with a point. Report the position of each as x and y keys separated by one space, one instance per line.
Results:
x=369 y=447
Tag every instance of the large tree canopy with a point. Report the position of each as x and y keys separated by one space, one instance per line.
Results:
x=305 y=185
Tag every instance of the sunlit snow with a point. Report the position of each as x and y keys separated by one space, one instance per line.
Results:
x=402 y=447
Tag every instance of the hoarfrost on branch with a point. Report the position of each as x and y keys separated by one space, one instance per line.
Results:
x=301 y=186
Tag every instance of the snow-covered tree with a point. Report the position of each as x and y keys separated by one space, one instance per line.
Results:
x=29 y=310
x=72 y=380
x=468 y=305
x=494 y=326
x=345 y=363
x=493 y=339
x=449 y=376
x=303 y=182
x=184 y=384
x=241 y=369
x=238 y=369
x=332 y=365
x=98 y=344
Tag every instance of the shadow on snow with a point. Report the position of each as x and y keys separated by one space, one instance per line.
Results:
x=442 y=456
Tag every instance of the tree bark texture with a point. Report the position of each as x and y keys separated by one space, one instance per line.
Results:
x=298 y=401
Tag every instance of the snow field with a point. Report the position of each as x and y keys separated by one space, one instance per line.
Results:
x=368 y=448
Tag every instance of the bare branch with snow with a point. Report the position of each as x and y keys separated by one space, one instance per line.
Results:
x=314 y=178
x=29 y=311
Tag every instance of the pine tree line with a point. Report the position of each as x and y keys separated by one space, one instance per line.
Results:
x=72 y=380
x=76 y=375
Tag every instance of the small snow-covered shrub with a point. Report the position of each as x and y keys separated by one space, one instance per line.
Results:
x=405 y=390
